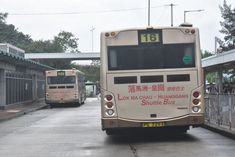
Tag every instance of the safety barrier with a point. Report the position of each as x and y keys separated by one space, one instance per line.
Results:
x=21 y=86
x=220 y=110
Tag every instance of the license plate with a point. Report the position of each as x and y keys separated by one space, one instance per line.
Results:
x=153 y=124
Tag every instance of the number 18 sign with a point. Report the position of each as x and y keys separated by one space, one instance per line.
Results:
x=149 y=37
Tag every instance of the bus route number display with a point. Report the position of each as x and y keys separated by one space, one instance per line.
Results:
x=150 y=37
x=60 y=73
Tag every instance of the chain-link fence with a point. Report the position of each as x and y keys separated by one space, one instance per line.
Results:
x=220 y=110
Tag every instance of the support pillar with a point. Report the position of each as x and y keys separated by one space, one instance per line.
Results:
x=2 y=88
x=220 y=81
x=35 y=86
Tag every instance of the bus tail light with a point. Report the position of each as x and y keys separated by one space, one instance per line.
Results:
x=196 y=94
x=113 y=34
x=109 y=97
x=196 y=101
x=196 y=109
x=47 y=95
x=107 y=34
x=193 y=31
x=187 y=31
x=110 y=112
x=109 y=104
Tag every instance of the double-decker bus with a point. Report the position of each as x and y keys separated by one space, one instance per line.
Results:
x=65 y=87
x=150 y=78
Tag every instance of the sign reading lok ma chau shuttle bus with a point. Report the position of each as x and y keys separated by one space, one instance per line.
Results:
x=156 y=94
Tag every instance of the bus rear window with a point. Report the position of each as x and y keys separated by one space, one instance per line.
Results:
x=61 y=80
x=151 y=57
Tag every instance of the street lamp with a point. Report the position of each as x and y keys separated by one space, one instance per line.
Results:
x=187 y=11
x=148 y=12
x=92 y=38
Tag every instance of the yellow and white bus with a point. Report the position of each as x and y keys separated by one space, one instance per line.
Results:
x=151 y=77
x=65 y=87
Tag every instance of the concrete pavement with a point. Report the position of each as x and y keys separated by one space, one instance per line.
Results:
x=21 y=109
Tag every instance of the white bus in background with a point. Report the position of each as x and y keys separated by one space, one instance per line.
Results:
x=65 y=87
x=151 y=78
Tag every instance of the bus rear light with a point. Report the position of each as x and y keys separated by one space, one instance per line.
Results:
x=109 y=104
x=113 y=34
x=110 y=112
x=196 y=109
x=196 y=101
x=47 y=94
x=107 y=34
x=193 y=31
x=196 y=94
x=109 y=97
x=187 y=30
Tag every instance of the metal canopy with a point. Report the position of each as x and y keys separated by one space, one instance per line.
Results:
x=20 y=61
x=219 y=61
x=71 y=56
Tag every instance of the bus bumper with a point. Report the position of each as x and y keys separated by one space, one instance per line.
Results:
x=61 y=101
x=190 y=120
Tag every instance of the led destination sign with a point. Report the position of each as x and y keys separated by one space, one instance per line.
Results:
x=150 y=36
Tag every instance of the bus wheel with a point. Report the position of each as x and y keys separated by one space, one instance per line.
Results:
x=51 y=106
x=77 y=104
x=183 y=130
x=110 y=132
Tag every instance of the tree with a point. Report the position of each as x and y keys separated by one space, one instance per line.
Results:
x=9 y=34
x=64 y=41
x=228 y=26
x=206 y=54
x=92 y=72
x=67 y=41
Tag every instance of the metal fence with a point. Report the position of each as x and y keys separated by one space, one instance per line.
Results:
x=41 y=88
x=220 y=110
x=18 y=87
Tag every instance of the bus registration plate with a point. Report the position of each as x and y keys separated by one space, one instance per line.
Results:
x=153 y=124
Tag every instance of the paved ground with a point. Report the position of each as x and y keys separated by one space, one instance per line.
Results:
x=75 y=132
x=21 y=109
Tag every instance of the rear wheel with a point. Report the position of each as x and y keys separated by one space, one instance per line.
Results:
x=110 y=132
x=183 y=130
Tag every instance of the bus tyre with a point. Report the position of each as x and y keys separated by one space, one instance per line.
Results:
x=110 y=132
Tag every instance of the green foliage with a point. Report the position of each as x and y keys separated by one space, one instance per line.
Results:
x=228 y=26
x=211 y=77
x=92 y=72
x=9 y=34
x=64 y=41
x=206 y=54
x=67 y=41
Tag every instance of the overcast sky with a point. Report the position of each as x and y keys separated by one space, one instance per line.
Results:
x=96 y=13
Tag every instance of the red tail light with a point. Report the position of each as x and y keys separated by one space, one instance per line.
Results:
x=193 y=31
x=196 y=94
x=109 y=97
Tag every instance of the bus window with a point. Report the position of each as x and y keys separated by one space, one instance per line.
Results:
x=151 y=57
x=61 y=80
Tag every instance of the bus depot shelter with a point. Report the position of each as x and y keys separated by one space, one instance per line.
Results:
x=21 y=80
x=220 y=92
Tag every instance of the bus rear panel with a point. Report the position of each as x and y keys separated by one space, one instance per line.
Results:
x=151 y=78
x=65 y=87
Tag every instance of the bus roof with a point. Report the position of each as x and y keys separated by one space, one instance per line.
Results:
x=150 y=27
x=80 y=72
